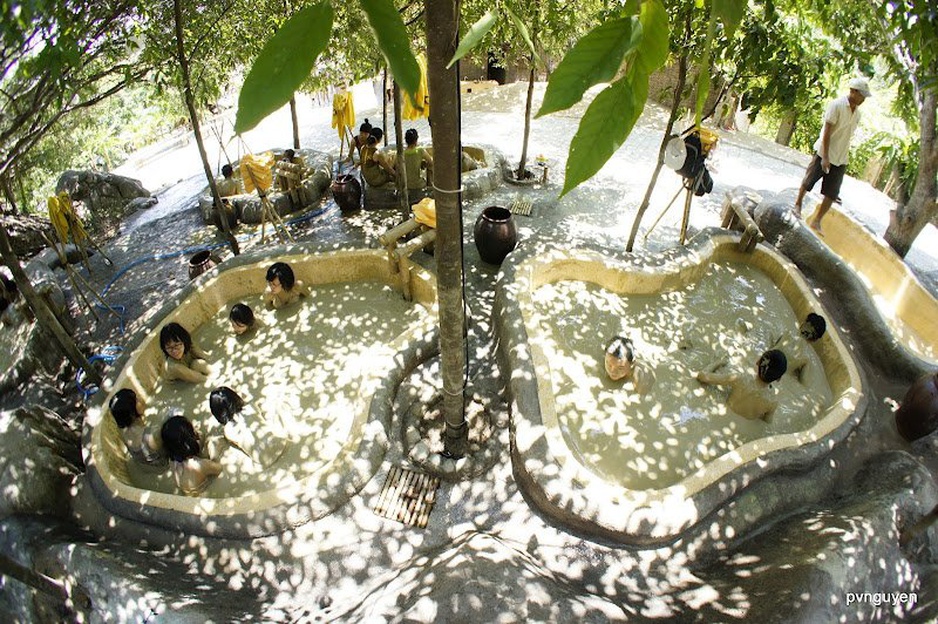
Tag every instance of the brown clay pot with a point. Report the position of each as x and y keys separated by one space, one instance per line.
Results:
x=201 y=262
x=347 y=192
x=918 y=414
x=495 y=234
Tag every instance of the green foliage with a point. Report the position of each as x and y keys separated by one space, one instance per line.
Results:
x=117 y=127
x=608 y=122
x=522 y=30
x=611 y=116
x=595 y=58
x=314 y=27
x=392 y=38
x=474 y=35
x=899 y=153
x=283 y=64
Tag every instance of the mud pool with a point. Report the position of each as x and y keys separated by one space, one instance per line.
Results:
x=655 y=439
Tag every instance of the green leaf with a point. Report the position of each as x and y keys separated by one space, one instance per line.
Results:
x=522 y=30
x=652 y=53
x=474 y=36
x=594 y=59
x=283 y=64
x=603 y=128
x=394 y=42
x=730 y=13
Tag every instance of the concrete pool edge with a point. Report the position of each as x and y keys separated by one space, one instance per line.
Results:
x=279 y=508
x=569 y=492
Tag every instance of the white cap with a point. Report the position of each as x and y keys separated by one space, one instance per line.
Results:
x=861 y=85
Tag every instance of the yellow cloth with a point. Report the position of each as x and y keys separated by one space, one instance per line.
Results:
x=255 y=172
x=67 y=224
x=425 y=212
x=420 y=106
x=343 y=113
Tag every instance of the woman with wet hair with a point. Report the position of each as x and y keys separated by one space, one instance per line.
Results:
x=282 y=286
x=191 y=472
x=244 y=428
x=242 y=319
x=143 y=443
x=184 y=360
x=621 y=364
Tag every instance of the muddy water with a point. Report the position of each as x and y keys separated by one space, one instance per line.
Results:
x=653 y=441
x=306 y=369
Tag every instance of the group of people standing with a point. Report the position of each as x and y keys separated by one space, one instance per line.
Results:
x=195 y=463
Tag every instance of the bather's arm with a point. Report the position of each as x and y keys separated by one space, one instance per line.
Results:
x=725 y=379
x=177 y=370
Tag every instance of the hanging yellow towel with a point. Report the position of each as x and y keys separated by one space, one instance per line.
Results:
x=67 y=224
x=425 y=212
x=343 y=112
x=420 y=106
x=255 y=172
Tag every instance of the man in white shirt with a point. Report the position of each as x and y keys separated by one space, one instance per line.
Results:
x=830 y=151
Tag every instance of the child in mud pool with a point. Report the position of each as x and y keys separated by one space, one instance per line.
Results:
x=184 y=360
x=282 y=286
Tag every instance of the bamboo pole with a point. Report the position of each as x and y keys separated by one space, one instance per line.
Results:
x=44 y=315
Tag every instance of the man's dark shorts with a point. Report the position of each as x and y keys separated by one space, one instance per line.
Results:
x=830 y=187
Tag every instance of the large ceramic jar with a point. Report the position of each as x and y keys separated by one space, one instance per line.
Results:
x=495 y=234
x=918 y=414
x=201 y=262
x=347 y=191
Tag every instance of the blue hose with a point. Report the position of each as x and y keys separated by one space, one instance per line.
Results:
x=120 y=309
x=107 y=355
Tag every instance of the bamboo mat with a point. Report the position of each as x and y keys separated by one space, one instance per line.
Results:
x=407 y=497
x=520 y=207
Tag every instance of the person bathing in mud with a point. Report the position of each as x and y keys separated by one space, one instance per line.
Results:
x=244 y=428
x=242 y=319
x=184 y=360
x=282 y=286
x=751 y=396
x=793 y=346
x=191 y=471
x=621 y=364
x=376 y=168
x=143 y=443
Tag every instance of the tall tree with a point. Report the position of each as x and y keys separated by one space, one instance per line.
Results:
x=186 y=80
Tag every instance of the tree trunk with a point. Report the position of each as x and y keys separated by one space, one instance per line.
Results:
x=442 y=37
x=296 y=123
x=43 y=314
x=786 y=128
x=675 y=107
x=384 y=105
x=907 y=221
x=527 y=123
x=402 y=193
x=8 y=196
x=194 y=118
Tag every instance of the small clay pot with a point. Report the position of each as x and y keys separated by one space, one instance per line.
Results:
x=200 y=263
x=918 y=414
x=347 y=192
x=495 y=234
